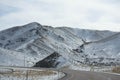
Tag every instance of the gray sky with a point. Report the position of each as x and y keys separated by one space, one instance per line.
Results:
x=87 y=14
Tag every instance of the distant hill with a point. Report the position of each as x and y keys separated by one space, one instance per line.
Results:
x=37 y=43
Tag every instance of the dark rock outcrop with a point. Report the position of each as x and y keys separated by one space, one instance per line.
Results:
x=51 y=61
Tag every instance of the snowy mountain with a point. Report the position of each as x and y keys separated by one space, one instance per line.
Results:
x=32 y=43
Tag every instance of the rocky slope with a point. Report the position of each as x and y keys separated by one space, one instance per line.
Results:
x=54 y=60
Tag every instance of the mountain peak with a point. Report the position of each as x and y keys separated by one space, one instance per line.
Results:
x=33 y=24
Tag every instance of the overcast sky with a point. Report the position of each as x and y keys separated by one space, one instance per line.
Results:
x=87 y=14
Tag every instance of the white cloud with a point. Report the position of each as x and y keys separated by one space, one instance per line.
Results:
x=90 y=14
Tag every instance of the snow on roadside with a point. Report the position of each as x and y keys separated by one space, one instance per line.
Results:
x=91 y=68
x=23 y=74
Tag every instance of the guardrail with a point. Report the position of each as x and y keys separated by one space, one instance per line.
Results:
x=5 y=70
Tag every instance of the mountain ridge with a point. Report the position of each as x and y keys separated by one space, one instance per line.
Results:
x=36 y=42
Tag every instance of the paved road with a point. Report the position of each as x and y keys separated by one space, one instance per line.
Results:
x=87 y=75
x=77 y=75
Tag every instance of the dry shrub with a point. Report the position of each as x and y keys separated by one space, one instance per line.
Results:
x=65 y=67
x=116 y=69
x=21 y=73
x=41 y=73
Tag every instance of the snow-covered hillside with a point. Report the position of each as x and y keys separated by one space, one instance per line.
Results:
x=34 y=42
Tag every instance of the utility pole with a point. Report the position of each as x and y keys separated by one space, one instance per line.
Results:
x=0 y=77
x=58 y=69
x=24 y=59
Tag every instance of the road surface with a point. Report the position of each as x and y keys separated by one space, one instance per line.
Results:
x=76 y=75
x=87 y=75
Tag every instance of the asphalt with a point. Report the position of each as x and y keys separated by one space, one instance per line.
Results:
x=87 y=75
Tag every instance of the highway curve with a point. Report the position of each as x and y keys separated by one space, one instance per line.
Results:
x=75 y=74
x=87 y=75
